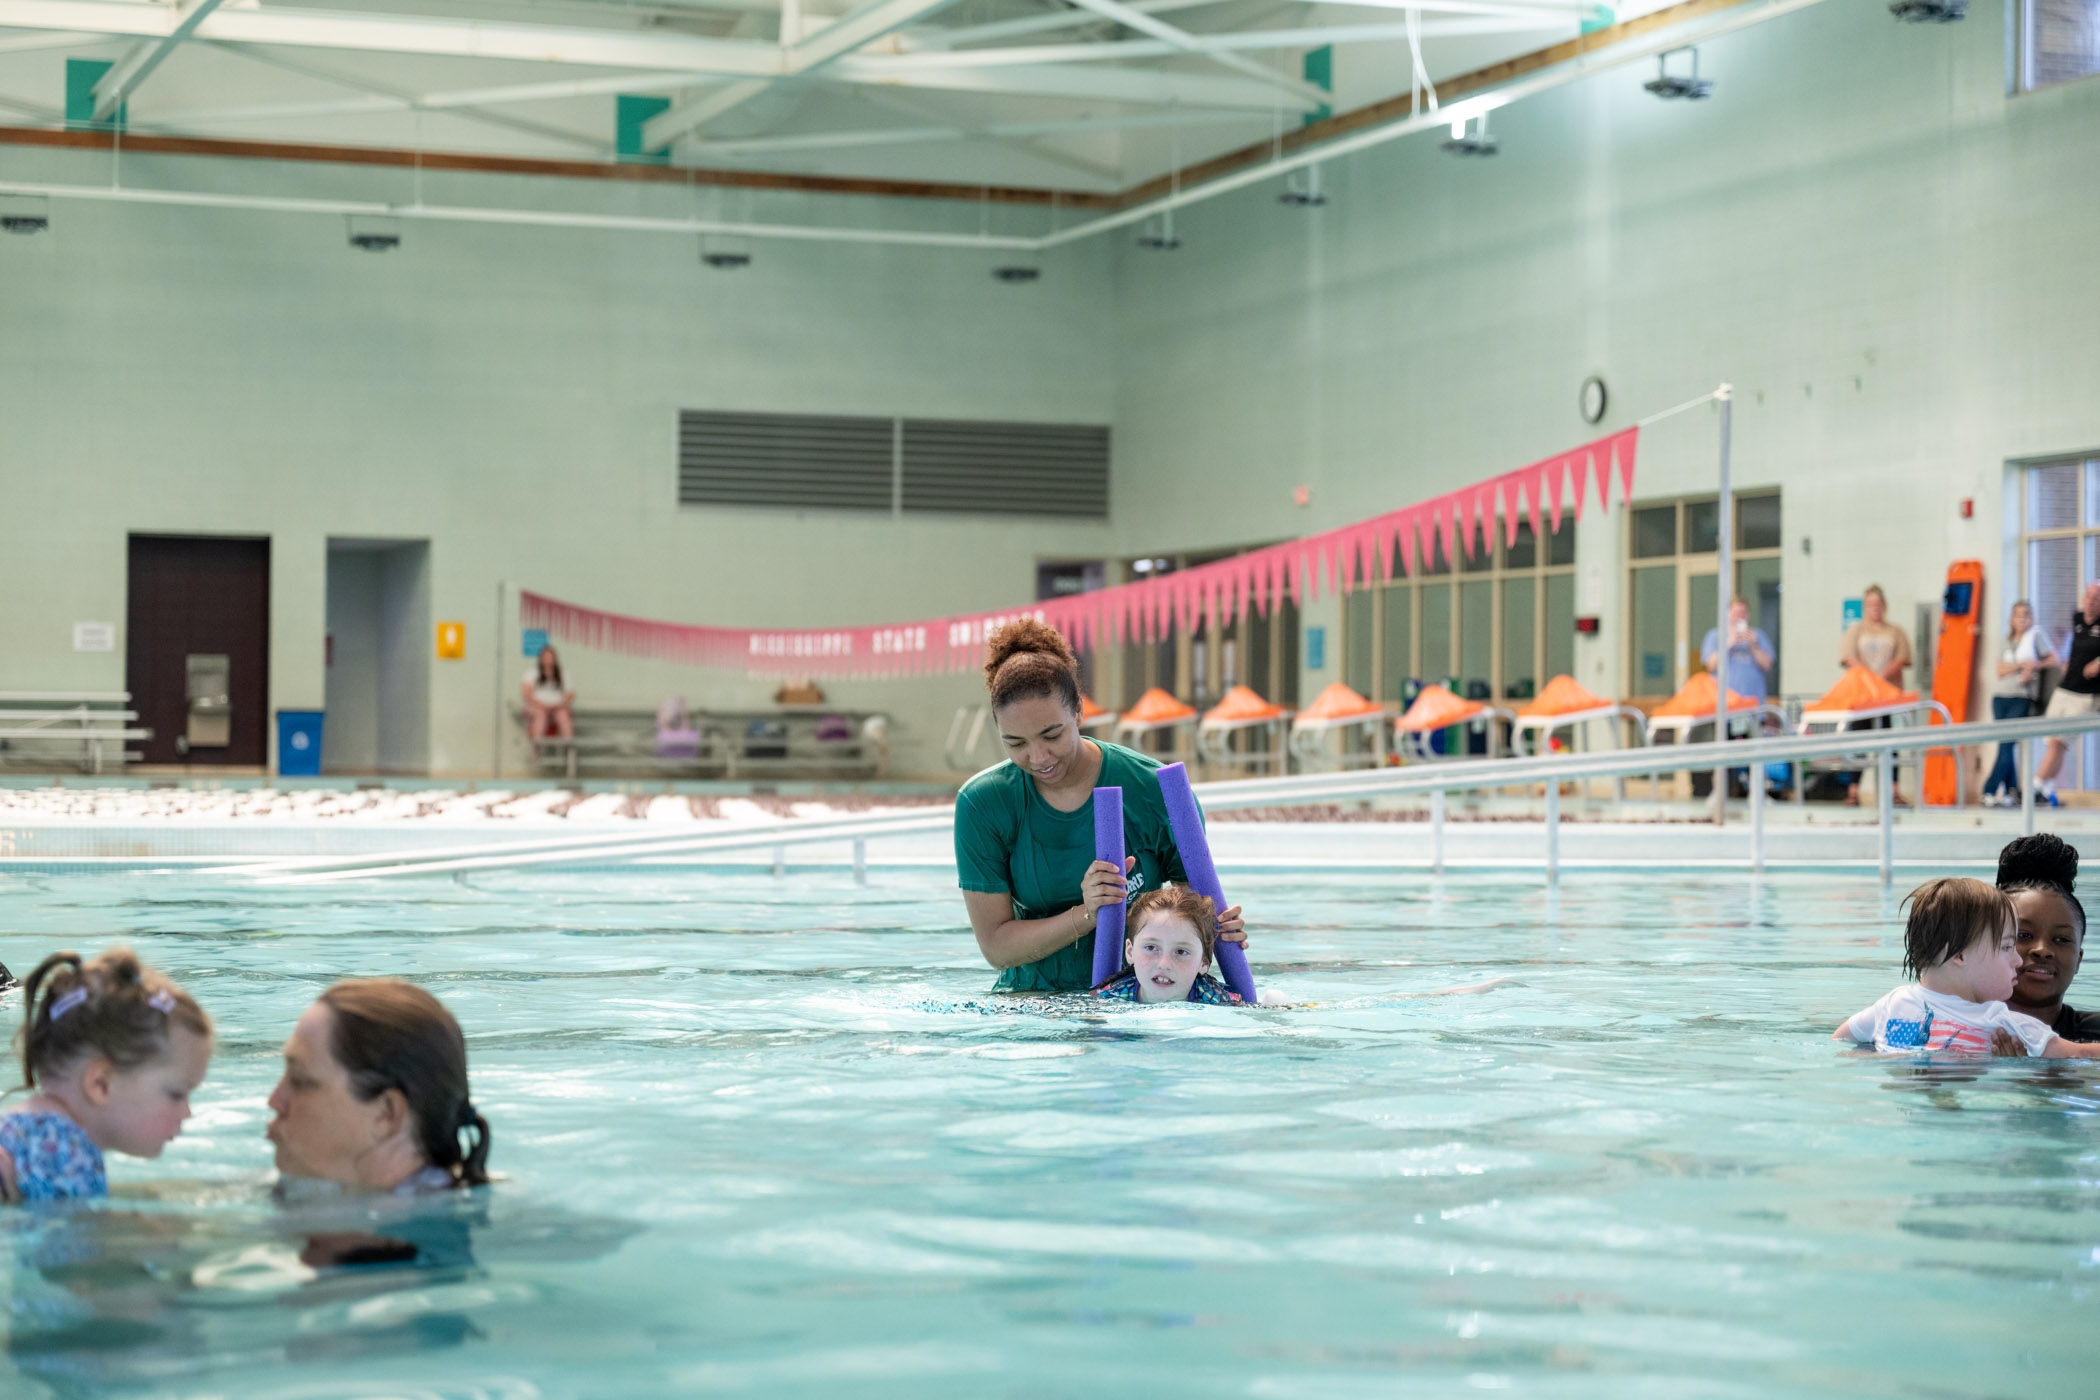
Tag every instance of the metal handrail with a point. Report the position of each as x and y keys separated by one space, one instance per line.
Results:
x=1432 y=780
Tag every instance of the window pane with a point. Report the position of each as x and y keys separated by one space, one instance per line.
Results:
x=1560 y=625
x=1654 y=629
x=2092 y=493
x=1757 y=580
x=1702 y=604
x=1396 y=665
x=1286 y=615
x=1702 y=527
x=2052 y=497
x=2063 y=40
x=1357 y=618
x=2052 y=585
x=1561 y=545
x=1258 y=630
x=1757 y=522
x=1436 y=632
x=1476 y=634
x=1483 y=557
x=1654 y=532
x=1433 y=561
x=1525 y=552
x=1519 y=604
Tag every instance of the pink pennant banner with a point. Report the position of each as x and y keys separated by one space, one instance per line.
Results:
x=1340 y=560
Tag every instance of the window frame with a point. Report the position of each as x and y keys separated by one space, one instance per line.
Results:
x=1498 y=574
x=1686 y=663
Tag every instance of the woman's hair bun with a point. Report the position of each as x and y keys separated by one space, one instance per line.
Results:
x=1026 y=658
x=1025 y=635
x=2039 y=860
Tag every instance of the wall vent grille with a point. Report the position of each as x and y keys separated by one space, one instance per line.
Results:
x=802 y=461
x=1005 y=468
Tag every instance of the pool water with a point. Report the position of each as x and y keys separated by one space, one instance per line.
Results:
x=775 y=1138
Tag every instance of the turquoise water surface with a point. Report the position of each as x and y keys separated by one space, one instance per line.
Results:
x=775 y=1138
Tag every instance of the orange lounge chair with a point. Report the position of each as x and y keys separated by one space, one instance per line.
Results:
x=1092 y=716
x=1862 y=695
x=1338 y=708
x=1242 y=709
x=1435 y=708
x=1694 y=705
x=1155 y=710
x=1564 y=704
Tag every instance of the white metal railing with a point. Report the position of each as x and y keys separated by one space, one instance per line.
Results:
x=1434 y=780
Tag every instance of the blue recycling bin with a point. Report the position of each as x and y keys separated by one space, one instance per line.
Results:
x=299 y=743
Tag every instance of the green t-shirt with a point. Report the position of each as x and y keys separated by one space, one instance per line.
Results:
x=1009 y=841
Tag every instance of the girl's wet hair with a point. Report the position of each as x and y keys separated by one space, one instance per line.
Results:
x=1178 y=901
x=390 y=1034
x=2042 y=862
x=1026 y=659
x=113 y=1006
x=1947 y=917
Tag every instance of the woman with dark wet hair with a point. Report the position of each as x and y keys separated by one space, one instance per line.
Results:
x=2039 y=872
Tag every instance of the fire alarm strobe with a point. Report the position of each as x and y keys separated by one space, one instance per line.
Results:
x=1587 y=626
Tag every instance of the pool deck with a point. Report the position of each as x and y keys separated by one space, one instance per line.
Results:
x=122 y=828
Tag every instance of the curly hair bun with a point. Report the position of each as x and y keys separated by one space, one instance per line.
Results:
x=1025 y=659
x=1023 y=636
x=2040 y=859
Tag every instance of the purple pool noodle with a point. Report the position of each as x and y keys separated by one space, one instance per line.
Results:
x=1202 y=874
x=1108 y=846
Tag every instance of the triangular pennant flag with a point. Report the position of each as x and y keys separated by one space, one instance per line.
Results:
x=1579 y=476
x=1623 y=449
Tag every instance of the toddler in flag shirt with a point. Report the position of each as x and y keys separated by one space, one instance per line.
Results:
x=1959 y=943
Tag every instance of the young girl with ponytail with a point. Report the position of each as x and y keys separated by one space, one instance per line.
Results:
x=113 y=1051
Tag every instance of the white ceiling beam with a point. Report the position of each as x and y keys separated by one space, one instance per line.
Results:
x=1308 y=95
x=388 y=33
x=1147 y=87
x=1030 y=144
x=919 y=135
x=944 y=39
x=1254 y=39
x=148 y=54
x=381 y=97
x=1033 y=24
x=851 y=31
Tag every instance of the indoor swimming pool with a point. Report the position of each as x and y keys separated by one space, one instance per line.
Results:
x=775 y=1138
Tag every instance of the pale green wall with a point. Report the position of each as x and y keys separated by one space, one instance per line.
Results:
x=1892 y=260
x=512 y=396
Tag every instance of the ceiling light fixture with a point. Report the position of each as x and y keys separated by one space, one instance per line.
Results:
x=24 y=213
x=724 y=252
x=1929 y=11
x=370 y=235
x=1018 y=272
x=1666 y=84
x=1159 y=235
x=1308 y=195
x=1476 y=142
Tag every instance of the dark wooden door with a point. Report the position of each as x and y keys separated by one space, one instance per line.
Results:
x=193 y=594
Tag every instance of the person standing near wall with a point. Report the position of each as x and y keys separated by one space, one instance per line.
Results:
x=2078 y=693
x=2019 y=675
x=1749 y=653
x=1882 y=648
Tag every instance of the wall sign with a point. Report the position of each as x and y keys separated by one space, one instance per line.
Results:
x=535 y=641
x=1855 y=611
x=1316 y=648
x=452 y=641
x=94 y=636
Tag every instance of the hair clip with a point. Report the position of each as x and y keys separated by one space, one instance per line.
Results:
x=162 y=1001
x=61 y=1005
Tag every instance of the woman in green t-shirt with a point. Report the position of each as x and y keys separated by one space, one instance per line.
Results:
x=1024 y=830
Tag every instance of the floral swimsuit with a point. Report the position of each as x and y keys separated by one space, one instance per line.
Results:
x=54 y=1161
x=1208 y=990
